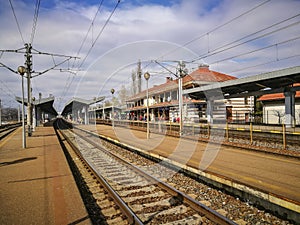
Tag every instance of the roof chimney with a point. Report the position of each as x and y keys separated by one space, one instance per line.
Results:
x=168 y=79
x=203 y=65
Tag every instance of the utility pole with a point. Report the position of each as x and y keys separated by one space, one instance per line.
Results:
x=0 y=113
x=28 y=64
x=182 y=72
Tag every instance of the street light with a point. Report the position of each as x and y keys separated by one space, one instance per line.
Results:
x=147 y=77
x=112 y=110
x=22 y=71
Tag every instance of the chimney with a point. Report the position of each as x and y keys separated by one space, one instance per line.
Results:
x=40 y=96
x=168 y=79
x=203 y=66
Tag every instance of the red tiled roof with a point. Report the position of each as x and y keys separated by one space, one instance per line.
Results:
x=278 y=96
x=204 y=74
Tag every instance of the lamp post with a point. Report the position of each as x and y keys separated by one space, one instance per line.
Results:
x=22 y=71
x=112 y=110
x=147 y=77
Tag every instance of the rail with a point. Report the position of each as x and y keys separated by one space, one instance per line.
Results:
x=7 y=129
x=195 y=205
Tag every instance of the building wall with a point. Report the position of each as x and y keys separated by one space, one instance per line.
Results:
x=275 y=113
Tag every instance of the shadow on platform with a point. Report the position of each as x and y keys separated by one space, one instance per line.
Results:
x=17 y=161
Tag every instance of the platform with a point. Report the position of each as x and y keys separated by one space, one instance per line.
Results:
x=36 y=183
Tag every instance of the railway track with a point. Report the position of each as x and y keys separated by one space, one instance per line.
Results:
x=131 y=193
x=7 y=129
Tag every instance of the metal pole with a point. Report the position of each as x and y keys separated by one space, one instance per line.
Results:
x=113 y=122
x=19 y=116
x=23 y=117
x=251 y=133
x=0 y=114
x=284 y=136
x=180 y=104
x=147 y=115
x=28 y=72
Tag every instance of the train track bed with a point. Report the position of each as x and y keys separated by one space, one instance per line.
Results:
x=7 y=129
x=151 y=200
x=242 y=212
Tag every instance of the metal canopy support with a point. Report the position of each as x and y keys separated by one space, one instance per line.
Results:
x=209 y=111
x=289 y=108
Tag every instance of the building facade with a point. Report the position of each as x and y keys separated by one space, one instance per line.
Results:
x=274 y=108
x=164 y=101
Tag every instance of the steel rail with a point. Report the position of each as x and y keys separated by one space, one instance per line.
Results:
x=131 y=217
x=197 y=206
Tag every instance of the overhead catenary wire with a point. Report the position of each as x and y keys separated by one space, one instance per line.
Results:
x=89 y=29
x=99 y=34
x=67 y=86
x=265 y=63
x=255 y=50
x=16 y=19
x=216 y=28
x=242 y=43
x=35 y=18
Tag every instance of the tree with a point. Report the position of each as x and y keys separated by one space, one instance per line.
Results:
x=279 y=114
x=123 y=95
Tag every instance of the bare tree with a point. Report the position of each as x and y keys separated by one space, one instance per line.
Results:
x=279 y=114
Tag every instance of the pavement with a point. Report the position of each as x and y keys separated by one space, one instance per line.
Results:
x=36 y=183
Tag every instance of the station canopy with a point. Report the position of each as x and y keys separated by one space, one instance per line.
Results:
x=266 y=83
x=79 y=103
x=45 y=104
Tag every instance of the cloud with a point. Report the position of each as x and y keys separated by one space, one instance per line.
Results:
x=63 y=25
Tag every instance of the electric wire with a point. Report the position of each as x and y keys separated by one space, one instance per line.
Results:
x=99 y=34
x=66 y=88
x=256 y=50
x=16 y=19
x=35 y=18
x=265 y=63
x=90 y=27
x=9 y=92
x=242 y=43
x=216 y=28
x=257 y=32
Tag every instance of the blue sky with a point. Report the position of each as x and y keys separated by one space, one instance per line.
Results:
x=190 y=30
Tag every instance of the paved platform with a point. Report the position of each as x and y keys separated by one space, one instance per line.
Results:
x=36 y=183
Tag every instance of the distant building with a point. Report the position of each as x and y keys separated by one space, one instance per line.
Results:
x=274 y=108
x=164 y=104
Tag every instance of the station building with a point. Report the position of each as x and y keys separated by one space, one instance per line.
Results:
x=164 y=101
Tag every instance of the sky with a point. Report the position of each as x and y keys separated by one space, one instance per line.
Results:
x=102 y=41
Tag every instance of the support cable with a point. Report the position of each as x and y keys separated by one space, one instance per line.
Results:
x=266 y=63
x=101 y=31
x=35 y=17
x=91 y=26
x=223 y=49
x=256 y=50
x=216 y=28
x=19 y=29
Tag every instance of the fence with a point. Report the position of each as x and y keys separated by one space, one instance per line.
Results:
x=251 y=134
